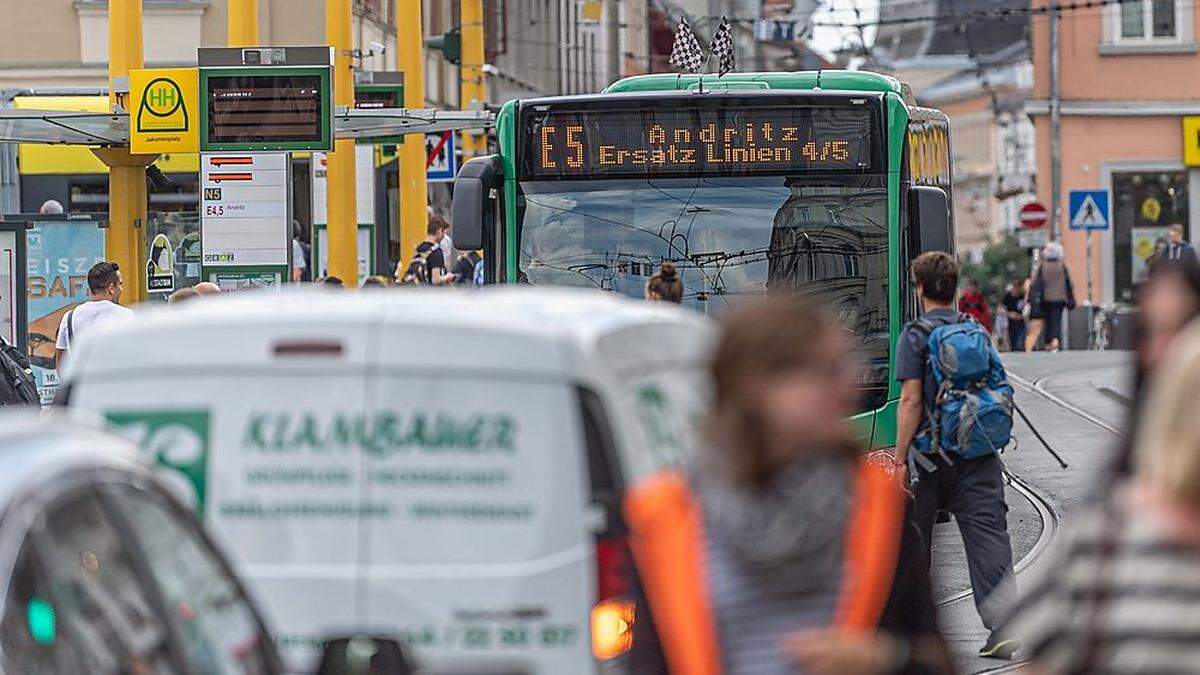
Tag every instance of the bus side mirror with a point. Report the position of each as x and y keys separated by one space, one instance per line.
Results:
x=929 y=213
x=472 y=200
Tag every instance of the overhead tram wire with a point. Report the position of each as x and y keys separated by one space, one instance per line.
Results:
x=978 y=14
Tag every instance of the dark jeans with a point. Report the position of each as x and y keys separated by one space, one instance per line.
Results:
x=1016 y=335
x=972 y=490
x=1054 y=315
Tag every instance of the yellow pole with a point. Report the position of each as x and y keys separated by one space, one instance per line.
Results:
x=125 y=238
x=243 y=23
x=342 y=216
x=414 y=194
x=473 y=89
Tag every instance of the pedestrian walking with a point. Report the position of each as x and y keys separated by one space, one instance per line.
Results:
x=104 y=294
x=974 y=304
x=1177 y=248
x=951 y=459
x=428 y=264
x=665 y=284
x=301 y=253
x=207 y=288
x=776 y=552
x=1051 y=291
x=1013 y=306
x=466 y=266
x=1167 y=303
x=182 y=295
x=447 y=244
x=1121 y=593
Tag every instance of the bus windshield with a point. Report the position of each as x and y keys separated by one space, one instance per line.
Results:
x=731 y=238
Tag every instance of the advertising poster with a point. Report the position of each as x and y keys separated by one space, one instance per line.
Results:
x=160 y=268
x=60 y=253
x=1145 y=243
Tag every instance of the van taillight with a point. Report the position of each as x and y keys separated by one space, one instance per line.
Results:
x=614 y=613
x=612 y=568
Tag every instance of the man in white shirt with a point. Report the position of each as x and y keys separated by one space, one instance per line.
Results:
x=104 y=289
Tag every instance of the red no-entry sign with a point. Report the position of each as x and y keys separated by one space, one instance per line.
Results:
x=1033 y=216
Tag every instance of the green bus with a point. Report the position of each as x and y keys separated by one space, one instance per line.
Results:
x=826 y=181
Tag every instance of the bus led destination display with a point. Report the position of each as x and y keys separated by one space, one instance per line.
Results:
x=693 y=141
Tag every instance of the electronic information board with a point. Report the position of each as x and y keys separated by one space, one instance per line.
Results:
x=266 y=109
x=682 y=138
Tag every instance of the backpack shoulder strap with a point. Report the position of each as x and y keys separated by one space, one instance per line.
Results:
x=924 y=325
x=70 y=328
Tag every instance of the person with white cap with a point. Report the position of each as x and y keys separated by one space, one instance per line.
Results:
x=1050 y=292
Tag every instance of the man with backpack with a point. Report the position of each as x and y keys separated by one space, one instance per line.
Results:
x=955 y=416
x=428 y=264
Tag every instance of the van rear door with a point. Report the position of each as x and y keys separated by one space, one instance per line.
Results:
x=486 y=557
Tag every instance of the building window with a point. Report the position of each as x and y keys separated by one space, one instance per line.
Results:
x=1148 y=20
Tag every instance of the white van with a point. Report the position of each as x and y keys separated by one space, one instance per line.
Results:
x=443 y=466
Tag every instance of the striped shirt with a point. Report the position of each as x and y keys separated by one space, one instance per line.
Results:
x=1121 y=594
x=753 y=619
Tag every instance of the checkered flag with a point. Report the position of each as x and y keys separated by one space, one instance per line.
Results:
x=722 y=47
x=686 y=53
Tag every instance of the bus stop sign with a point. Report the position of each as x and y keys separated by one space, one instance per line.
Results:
x=164 y=117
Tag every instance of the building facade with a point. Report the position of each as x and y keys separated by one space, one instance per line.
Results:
x=1126 y=74
x=534 y=47
x=979 y=72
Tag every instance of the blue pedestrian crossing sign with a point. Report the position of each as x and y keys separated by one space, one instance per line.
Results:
x=1088 y=210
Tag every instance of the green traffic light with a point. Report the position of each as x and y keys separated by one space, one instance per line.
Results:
x=40 y=616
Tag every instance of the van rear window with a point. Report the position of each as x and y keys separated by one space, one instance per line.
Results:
x=667 y=408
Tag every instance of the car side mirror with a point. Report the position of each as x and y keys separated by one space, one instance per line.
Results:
x=929 y=214
x=471 y=205
x=365 y=655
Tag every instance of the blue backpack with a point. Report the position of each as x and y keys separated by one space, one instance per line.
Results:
x=973 y=410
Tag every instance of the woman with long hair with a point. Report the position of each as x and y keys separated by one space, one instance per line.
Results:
x=1167 y=303
x=779 y=549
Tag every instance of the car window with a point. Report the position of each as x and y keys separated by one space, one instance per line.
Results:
x=97 y=587
x=31 y=638
x=220 y=632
